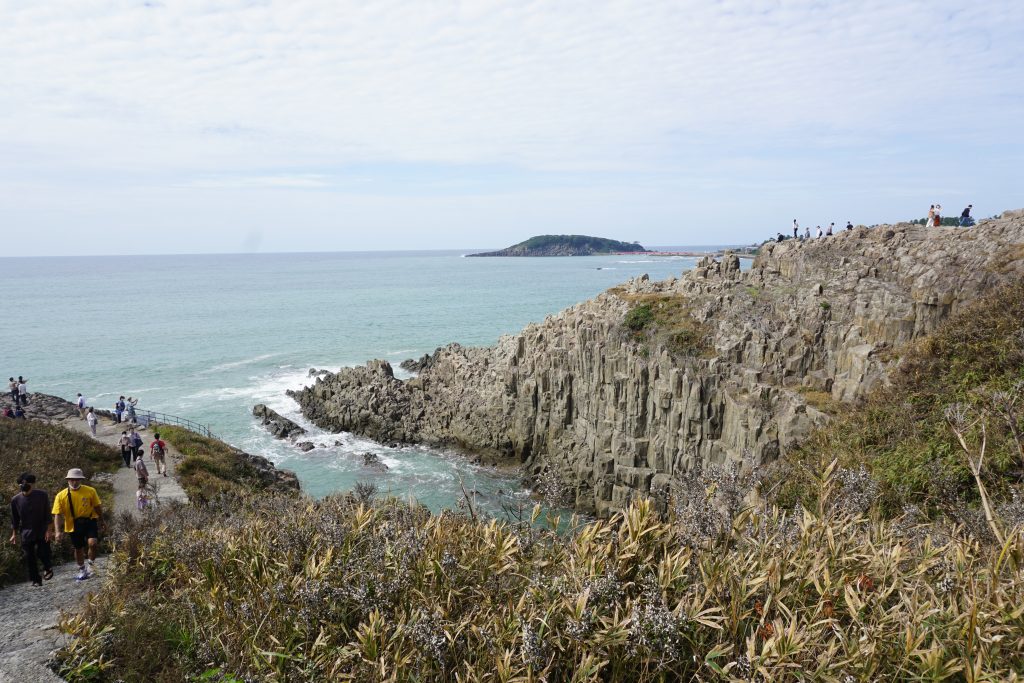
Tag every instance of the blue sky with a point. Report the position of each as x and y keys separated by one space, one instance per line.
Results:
x=148 y=127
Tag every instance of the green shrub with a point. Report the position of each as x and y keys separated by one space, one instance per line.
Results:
x=639 y=317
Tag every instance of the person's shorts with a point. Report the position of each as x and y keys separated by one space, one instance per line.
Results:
x=84 y=530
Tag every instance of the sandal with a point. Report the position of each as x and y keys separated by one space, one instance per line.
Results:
x=48 y=574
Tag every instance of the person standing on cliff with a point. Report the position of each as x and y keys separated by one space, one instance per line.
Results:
x=30 y=517
x=931 y=215
x=938 y=215
x=23 y=390
x=796 y=229
x=965 y=218
x=91 y=418
x=849 y=225
x=77 y=511
x=828 y=232
x=13 y=387
x=81 y=406
x=819 y=232
x=807 y=233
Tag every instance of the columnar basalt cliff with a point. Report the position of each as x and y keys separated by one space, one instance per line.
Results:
x=622 y=393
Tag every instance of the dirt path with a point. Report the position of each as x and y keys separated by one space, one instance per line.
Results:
x=29 y=615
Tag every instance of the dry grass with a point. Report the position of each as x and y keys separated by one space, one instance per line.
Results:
x=665 y=320
x=288 y=590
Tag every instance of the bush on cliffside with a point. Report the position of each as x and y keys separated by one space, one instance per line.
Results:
x=286 y=589
x=902 y=434
x=211 y=467
x=48 y=451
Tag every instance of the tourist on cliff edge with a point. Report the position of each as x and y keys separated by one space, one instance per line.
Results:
x=30 y=515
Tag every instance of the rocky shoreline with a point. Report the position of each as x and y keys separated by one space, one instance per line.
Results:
x=722 y=366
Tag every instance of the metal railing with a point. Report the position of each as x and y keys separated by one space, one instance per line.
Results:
x=146 y=417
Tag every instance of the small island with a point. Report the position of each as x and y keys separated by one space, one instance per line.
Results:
x=566 y=245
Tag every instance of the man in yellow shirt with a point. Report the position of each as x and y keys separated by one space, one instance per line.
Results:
x=77 y=511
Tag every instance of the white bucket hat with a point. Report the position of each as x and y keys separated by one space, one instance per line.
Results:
x=75 y=474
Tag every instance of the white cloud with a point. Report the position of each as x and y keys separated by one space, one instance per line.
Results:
x=275 y=94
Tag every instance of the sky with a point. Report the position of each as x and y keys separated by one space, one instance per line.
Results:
x=326 y=125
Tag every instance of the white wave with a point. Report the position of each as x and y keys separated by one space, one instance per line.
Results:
x=400 y=352
x=237 y=363
x=647 y=261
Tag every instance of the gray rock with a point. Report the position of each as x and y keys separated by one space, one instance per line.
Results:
x=306 y=446
x=614 y=416
x=276 y=424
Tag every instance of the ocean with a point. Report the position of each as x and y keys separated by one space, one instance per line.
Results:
x=208 y=336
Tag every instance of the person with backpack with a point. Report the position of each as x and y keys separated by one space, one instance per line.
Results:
x=158 y=450
x=30 y=518
x=77 y=511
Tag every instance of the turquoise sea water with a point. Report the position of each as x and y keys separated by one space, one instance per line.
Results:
x=206 y=337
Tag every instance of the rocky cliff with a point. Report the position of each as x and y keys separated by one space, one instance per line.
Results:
x=620 y=394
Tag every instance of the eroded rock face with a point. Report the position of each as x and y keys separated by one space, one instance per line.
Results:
x=277 y=424
x=617 y=413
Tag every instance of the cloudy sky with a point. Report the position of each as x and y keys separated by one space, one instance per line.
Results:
x=307 y=125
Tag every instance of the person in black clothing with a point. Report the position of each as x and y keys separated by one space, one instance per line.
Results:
x=965 y=218
x=849 y=225
x=19 y=413
x=30 y=515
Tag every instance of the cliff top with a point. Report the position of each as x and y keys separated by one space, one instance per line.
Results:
x=565 y=245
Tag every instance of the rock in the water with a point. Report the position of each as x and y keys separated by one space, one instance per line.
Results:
x=313 y=372
x=727 y=367
x=417 y=365
x=276 y=424
x=373 y=461
x=306 y=446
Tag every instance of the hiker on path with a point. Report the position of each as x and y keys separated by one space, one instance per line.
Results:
x=137 y=443
x=77 y=511
x=30 y=518
x=125 y=442
x=965 y=218
x=81 y=406
x=141 y=472
x=158 y=449
x=90 y=417
x=23 y=390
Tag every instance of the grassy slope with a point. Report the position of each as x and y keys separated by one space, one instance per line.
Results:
x=210 y=467
x=48 y=451
x=901 y=434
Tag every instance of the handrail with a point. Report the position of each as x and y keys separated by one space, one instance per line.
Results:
x=144 y=417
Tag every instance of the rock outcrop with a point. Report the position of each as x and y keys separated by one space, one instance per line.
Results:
x=277 y=424
x=718 y=366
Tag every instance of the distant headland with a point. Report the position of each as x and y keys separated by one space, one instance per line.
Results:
x=566 y=245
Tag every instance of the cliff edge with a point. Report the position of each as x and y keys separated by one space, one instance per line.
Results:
x=620 y=393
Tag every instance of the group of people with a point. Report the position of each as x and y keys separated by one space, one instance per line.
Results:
x=19 y=391
x=935 y=216
x=828 y=232
x=124 y=411
x=76 y=511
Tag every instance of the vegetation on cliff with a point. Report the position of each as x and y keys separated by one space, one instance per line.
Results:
x=48 y=451
x=273 y=588
x=211 y=467
x=565 y=245
x=902 y=433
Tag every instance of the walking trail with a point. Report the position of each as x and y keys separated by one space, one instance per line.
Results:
x=29 y=616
